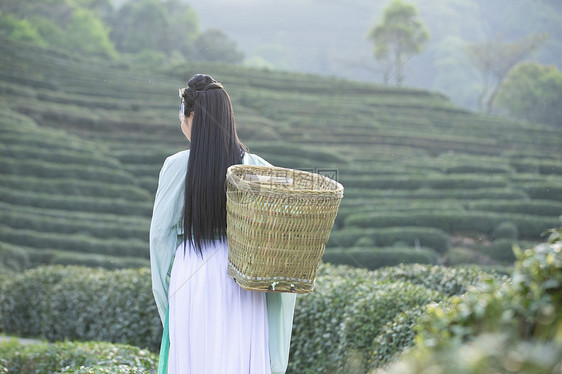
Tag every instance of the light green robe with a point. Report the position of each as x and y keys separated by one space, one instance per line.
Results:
x=165 y=231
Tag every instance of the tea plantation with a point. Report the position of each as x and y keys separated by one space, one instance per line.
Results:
x=82 y=143
x=411 y=318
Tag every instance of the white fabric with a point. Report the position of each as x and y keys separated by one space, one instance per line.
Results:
x=216 y=326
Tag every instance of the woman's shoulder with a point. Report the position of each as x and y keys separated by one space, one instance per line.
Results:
x=178 y=158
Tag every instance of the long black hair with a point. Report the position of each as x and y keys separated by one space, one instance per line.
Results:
x=214 y=147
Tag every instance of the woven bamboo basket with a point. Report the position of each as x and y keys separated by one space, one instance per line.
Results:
x=278 y=223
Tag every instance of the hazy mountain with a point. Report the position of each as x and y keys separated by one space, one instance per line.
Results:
x=328 y=37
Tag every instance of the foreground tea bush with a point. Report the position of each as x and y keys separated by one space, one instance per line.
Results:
x=342 y=314
x=334 y=327
x=486 y=353
x=498 y=326
x=75 y=358
x=348 y=309
x=81 y=303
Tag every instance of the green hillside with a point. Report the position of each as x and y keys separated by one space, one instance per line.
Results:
x=82 y=143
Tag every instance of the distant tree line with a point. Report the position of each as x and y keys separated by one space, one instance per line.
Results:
x=137 y=28
x=524 y=89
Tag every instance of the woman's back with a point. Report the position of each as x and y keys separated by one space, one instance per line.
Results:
x=211 y=324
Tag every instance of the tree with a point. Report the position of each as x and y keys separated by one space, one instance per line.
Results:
x=139 y=25
x=20 y=30
x=494 y=59
x=87 y=34
x=72 y=25
x=533 y=92
x=183 y=27
x=399 y=34
x=214 y=45
x=154 y=25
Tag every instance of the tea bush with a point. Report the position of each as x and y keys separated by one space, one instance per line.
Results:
x=543 y=190
x=546 y=207
x=364 y=318
x=459 y=256
x=332 y=321
x=75 y=242
x=530 y=226
x=500 y=326
x=373 y=258
x=433 y=238
x=14 y=259
x=396 y=336
x=486 y=353
x=82 y=303
x=339 y=321
x=336 y=327
x=502 y=250
x=75 y=358
x=506 y=230
x=446 y=280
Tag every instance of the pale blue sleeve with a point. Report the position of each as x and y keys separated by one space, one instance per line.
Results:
x=166 y=215
x=260 y=161
x=280 y=312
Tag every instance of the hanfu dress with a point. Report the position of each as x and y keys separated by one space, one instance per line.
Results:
x=211 y=324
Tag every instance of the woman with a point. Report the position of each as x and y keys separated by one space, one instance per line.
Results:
x=211 y=324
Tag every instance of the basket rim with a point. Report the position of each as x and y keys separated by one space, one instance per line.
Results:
x=234 y=179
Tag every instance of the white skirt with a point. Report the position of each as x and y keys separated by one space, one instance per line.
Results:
x=216 y=326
